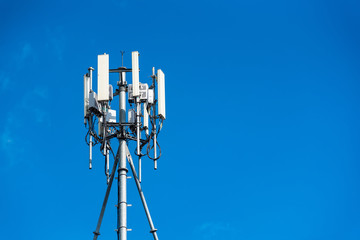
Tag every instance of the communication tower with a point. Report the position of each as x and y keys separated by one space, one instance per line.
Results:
x=142 y=123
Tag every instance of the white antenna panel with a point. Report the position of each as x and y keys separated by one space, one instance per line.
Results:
x=161 y=93
x=87 y=88
x=146 y=119
x=103 y=77
x=150 y=96
x=135 y=73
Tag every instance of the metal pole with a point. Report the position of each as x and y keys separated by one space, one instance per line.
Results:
x=122 y=170
x=107 y=163
x=90 y=121
x=155 y=149
x=138 y=134
x=154 y=127
x=90 y=143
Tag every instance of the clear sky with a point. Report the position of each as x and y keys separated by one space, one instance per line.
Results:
x=261 y=139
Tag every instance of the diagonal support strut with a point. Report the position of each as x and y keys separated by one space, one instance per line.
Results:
x=116 y=161
x=138 y=185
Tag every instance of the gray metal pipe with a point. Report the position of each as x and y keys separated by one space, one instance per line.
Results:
x=138 y=133
x=90 y=121
x=122 y=172
x=90 y=142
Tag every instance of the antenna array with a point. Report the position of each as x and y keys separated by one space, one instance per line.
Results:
x=104 y=126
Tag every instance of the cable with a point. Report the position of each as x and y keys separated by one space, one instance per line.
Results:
x=141 y=154
x=86 y=140
x=160 y=127
x=149 y=148
x=112 y=152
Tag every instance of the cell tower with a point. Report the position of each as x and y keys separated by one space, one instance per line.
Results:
x=103 y=127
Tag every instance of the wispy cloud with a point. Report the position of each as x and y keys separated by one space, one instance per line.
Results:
x=32 y=100
x=4 y=81
x=10 y=148
x=216 y=230
x=41 y=92
x=25 y=114
x=6 y=140
x=22 y=55
x=57 y=41
x=25 y=52
x=24 y=110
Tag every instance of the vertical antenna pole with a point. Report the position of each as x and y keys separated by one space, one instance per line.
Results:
x=90 y=143
x=138 y=134
x=122 y=58
x=155 y=155
x=91 y=69
x=90 y=121
x=107 y=165
x=122 y=170
x=154 y=127
x=106 y=150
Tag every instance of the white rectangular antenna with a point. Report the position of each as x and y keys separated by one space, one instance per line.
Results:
x=87 y=88
x=161 y=93
x=146 y=119
x=103 y=77
x=135 y=73
x=150 y=99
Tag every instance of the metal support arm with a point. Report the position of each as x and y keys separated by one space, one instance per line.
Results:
x=138 y=185
x=96 y=232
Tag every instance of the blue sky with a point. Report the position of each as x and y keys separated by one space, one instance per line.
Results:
x=262 y=133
